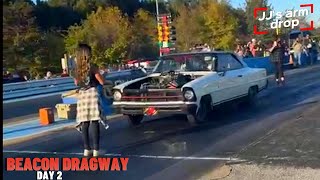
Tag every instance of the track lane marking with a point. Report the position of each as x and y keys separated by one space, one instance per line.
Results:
x=125 y=155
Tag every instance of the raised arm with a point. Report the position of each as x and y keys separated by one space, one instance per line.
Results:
x=100 y=78
x=274 y=45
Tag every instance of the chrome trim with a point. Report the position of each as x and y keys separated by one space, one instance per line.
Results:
x=153 y=103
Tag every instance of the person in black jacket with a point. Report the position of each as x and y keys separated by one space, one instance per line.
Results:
x=277 y=56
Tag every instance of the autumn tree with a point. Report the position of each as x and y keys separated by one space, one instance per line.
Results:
x=187 y=34
x=107 y=31
x=217 y=24
x=205 y=21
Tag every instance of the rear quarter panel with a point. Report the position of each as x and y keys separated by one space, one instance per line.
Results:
x=257 y=76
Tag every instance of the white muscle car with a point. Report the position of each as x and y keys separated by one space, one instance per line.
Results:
x=189 y=83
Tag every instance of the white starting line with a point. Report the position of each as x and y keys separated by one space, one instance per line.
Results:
x=136 y=156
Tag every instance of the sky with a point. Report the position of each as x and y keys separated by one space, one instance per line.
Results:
x=282 y=5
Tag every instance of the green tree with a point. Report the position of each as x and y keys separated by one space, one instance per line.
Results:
x=22 y=42
x=107 y=31
x=187 y=35
x=250 y=5
x=56 y=49
x=144 y=35
x=56 y=16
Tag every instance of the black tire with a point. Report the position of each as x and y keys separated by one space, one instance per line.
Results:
x=202 y=114
x=135 y=120
x=252 y=94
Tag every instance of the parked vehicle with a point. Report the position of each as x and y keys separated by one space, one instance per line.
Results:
x=189 y=83
x=118 y=77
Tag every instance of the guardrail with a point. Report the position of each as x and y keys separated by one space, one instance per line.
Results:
x=31 y=88
x=36 y=83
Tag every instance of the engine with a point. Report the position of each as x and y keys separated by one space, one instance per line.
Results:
x=167 y=80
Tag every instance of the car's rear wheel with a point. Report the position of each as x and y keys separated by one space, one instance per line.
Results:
x=135 y=120
x=202 y=114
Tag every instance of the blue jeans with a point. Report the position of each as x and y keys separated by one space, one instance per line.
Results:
x=313 y=57
x=297 y=58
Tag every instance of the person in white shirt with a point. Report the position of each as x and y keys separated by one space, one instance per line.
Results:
x=49 y=75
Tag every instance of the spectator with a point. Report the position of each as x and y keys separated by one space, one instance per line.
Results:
x=205 y=48
x=90 y=104
x=310 y=49
x=25 y=77
x=64 y=73
x=49 y=75
x=277 y=56
x=239 y=50
x=247 y=53
x=260 y=49
x=297 y=48
x=8 y=74
x=253 y=47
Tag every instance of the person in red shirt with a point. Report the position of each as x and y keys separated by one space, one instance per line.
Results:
x=253 y=47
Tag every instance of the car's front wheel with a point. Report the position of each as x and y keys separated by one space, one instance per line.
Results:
x=135 y=120
x=202 y=114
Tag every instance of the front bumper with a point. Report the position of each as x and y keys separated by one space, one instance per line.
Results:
x=138 y=108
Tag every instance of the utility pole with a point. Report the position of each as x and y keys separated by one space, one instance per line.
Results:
x=157 y=9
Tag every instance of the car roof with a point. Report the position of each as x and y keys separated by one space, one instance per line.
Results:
x=192 y=53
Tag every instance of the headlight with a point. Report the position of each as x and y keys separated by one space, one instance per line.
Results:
x=188 y=95
x=117 y=96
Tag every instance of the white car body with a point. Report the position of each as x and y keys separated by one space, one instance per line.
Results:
x=222 y=86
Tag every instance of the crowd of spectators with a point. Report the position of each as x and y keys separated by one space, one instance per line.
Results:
x=253 y=48
x=300 y=46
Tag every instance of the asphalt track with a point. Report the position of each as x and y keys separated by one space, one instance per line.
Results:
x=18 y=110
x=169 y=148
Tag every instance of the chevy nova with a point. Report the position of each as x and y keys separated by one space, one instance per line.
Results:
x=189 y=83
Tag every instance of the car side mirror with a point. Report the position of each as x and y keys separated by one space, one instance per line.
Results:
x=222 y=71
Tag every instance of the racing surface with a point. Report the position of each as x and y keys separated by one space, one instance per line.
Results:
x=166 y=141
x=29 y=107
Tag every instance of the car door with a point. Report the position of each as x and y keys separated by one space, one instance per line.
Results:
x=238 y=74
x=211 y=81
x=232 y=78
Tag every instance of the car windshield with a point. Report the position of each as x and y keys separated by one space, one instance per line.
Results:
x=187 y=62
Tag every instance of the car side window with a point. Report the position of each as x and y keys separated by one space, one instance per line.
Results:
x=227 y=62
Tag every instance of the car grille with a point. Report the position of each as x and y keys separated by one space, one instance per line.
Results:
x=152 y=95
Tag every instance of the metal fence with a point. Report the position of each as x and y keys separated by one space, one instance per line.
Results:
x=32 y=88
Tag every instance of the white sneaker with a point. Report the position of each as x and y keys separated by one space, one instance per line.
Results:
x=95 y=153
x=87 y=152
